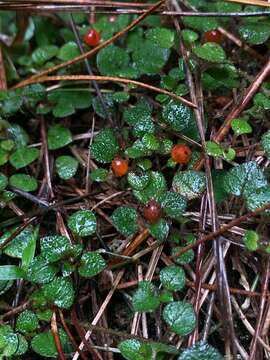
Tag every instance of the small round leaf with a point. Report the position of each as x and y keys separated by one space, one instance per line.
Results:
x=173 y=278
x=180 y=317
x=91 y=264
x=82 y=223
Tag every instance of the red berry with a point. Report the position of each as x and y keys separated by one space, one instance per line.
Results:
x=120 y=166
x=152 y=211
x=181 y=154
x=213 y=36
x=92 y=37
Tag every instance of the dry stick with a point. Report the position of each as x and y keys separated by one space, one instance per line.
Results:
x=237 y=110
x=222 y=230
x=95 y=50
x=252 y=2
x=56 y=337
x=222 y=281
x=3 y=80
x=199 y=262
x=247 y=323
x=253 y=346
x=101 y=310
x=71 y=338
x=106 y=78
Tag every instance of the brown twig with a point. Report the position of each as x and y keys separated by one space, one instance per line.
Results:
x=56 y=337
x=265 y=285
x=222 y=230
x=3 y=80
x=106 y=78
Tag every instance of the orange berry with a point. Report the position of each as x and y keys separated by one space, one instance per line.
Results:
x=181 y=154
x=152 y=211
x=119 y=166
x=213 y=36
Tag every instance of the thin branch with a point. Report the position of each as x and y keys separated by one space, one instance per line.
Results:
x=222 y=230
x=56 y=337
x=105 y=78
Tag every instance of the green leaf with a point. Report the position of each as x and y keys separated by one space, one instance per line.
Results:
x=63 y=109
x=58 y=137
x=258 y=198
x=161 y=36
x=149 y=58
x=133 y=349
x=44 y=344
x=99 y=175
x=3 y=181
x=189 y=36
x=68 y=51
x=23 y=182
x=244 y=179
x=211 y=52
x=17 y=246
x=255 y=33
x=29 y=251
x=138 y=181
x=3 y=157
x=190 y=184
x=9 y=341
x=105 y=139
x=99 y=108
x=124 y=219
x=183 y=259
x=120 y=96
x=251 y=239
x=91 y=264
x=180 y=317
x=160 y=229
x=241 y=126
x=154 y=189
x=43 y=54
x=56 y=247
x=201 y=23
x=172 y=278
x=66 y=166
x=11 y=272
x=262 y=100
x=201 y=351
x=178 y=116
x=145 y=298
x=218 y=177
x=22 y=345
x=114 y=61
x=40 y=272
x=27 y=322
x=5 y=285
x=140 y=112
x=16 y=133
x=214 y=149
x=165 y=146
x=150 y=142
x=266 y=143
x=60 y=292
x=83 y=223
x=23 y=156
x=173 y=204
